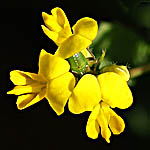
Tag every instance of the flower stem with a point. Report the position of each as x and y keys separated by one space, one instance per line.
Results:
x=136 y=72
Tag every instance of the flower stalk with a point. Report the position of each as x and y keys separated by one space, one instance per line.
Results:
x=138 y=71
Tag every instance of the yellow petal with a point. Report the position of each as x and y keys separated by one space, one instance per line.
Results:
x=59 y=14
x=116 y=123
x=86 y=27
x=115 y=90
x=92 y=127
x=51 y=34
x=59 y=90
x=85 y=95
x=58 y=25
x=102 y=120
x=72 y=45
x=120 y=70
x=123 y=72
x=51 y=22
x=51 y=66
x=27 y=100
x=32 y=88
x=22 y=78
x=62 y=20
x=86 y=53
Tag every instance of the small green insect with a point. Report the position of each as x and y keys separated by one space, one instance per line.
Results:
x=78 y=64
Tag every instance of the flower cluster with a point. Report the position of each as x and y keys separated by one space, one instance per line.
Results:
x=58 y=83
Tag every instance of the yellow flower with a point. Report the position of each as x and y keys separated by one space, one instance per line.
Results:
x=53 y=81
x=58 y=29
x=103 y=116
x=121 y=70
x=98 y=94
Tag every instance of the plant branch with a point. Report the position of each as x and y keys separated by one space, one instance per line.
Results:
x=135 y=72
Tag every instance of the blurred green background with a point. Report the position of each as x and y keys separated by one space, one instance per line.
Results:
x=124 y=30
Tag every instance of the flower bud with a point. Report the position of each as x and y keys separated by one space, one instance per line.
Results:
x=120 y=70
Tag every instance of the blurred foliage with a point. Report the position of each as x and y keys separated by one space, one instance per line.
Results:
x=138 y=10
x=137 y=117
x=123 y=45
x=138 y=120
x=142 y=14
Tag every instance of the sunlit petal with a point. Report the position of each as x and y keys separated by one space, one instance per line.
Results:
x=51 y=22
x=72 y=45
x=51 y=66
x=115 y=90
x=92 y=127
x=58 y=25
x=62 y=20
x=116 y=123
x=85 y=95
x=22 y=78
x=86 y=53
x=103 y=122
x=86 y=27
x=27 y=100
x=32 y=88
x=51 y=34
x=59 y=90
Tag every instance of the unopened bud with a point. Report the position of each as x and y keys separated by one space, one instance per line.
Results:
x=120 y=70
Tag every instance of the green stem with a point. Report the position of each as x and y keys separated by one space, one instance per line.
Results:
x=100 y=60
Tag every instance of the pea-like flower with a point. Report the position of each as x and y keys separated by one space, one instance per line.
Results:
x=98 y=94
x=53 y=81
x=104 y=117
x=58 y=29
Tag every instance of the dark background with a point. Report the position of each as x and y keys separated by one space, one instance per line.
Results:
x=38 y=127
